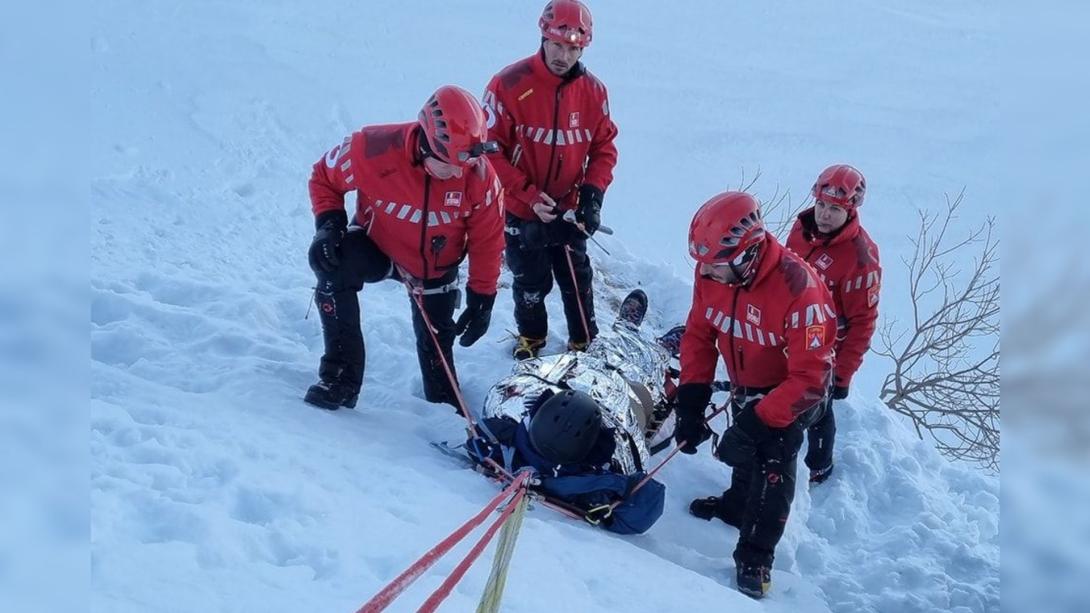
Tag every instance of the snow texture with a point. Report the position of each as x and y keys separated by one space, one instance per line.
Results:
x=214 y=488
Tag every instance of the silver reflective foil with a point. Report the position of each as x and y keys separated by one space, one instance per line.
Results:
x=603 y=371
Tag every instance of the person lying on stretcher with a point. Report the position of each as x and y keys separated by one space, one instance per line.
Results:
x=586 y=422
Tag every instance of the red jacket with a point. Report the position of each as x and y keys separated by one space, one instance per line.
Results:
x=554 y=133
x=405 y=210
x=776 y=332
x=848 y=263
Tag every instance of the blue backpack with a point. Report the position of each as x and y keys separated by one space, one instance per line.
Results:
x=639 y=511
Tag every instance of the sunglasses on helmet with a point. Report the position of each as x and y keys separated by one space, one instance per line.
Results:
x=476 y=151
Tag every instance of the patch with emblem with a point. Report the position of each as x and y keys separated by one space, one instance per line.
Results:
x=815 y=336
x=824 y=262
x=573 y=120
x=872 y=296
x=753 y=314
x=453 y=199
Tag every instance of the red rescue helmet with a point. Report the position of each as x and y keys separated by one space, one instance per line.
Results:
x=729 y=230
x=841 y=185
x=455 y=126
x=567 y=21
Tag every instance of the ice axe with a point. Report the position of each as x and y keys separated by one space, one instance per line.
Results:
x=569 y=216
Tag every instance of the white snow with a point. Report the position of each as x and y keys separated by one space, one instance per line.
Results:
x=213 y=487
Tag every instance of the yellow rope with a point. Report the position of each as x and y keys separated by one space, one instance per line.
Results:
x=505 y=549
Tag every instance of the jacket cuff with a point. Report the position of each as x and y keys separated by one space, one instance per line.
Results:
x=337 y=216
x=477 y=299
x=693 y=399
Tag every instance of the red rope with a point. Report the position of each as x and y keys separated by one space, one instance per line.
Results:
x=504 y=476
x=471 y=427
x=578 y=296
x=416 y=295
x=673 y=453
x=387 y=595
x=448 y=584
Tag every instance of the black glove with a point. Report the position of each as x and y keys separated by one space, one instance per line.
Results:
x=692 y=400
x=474 y=320
x=589 y=212
x=840 y=392
x=323 y=255
x=743 y=437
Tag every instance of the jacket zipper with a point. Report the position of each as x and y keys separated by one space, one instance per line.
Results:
x=552 y=152
x=424 y=226
x=736 y=359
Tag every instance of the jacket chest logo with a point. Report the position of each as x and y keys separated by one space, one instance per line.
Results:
x=824 y=262
x=452 y=199
x=815 y=336
x=573 y=120
x=753 y=315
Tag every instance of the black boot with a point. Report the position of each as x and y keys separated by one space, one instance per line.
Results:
x=754 y=580
x=716 y=506
x=671 y=341
x=332 y=395
x=527 y=348
x=633 y=308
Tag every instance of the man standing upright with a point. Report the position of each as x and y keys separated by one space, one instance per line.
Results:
x=830 y=237
x=550 y=117
x=762 y=309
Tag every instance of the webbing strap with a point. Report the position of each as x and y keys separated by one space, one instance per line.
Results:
x=505 y=549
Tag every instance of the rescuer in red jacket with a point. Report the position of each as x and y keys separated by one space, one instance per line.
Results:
x=426 y=197
x=829 y=237
x=762 y=309
x=550 y=117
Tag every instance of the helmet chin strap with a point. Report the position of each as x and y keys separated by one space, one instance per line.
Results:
x=423 y=150
x=745 y=273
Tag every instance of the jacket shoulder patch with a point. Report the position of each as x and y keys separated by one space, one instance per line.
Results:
x=866 y=252
x=378 y=140
x=796 y=274
x=510 y=76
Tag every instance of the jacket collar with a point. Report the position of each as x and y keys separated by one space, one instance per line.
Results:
x=769 y=259
x=413 y=134
x=542 y=72
x=771 y=251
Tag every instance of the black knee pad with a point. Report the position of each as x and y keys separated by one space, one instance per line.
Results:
x=362 y=261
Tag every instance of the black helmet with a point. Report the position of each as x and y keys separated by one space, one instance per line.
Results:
x=565 y=427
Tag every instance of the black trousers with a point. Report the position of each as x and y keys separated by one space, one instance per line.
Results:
x=821 y=436
x=336 y=297
x=761 y=493
x=534 y=270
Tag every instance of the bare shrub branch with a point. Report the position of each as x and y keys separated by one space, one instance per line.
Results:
x=946 y=363
x=778 y=210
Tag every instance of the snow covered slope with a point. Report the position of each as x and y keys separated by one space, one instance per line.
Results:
x=215 y=488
